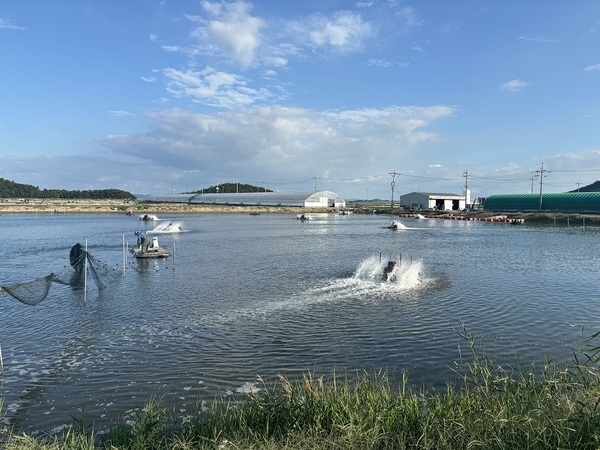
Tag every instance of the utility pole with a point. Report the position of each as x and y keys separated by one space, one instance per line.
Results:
x=532 y=178
x=315 y=178
x=541 y=173
x=578 y=183
x=393 y=173
x=466 y=175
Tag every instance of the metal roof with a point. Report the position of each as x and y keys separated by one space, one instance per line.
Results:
x=559 y=202
x=247 y=198
x=169 y=198
x=436 y=194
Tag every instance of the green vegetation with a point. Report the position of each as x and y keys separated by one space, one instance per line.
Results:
x=523 y=407
x=10 y=189
x=594 y=187
x=230 y=188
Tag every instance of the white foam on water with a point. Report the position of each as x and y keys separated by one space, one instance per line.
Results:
x=248 y=388
x=367 y=283
x=148 y=217
x=166 y=228
x=397 y=225
x=407 y=274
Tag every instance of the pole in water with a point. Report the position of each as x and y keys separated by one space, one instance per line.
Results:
x=85 y=274
x=1 y=362
x=124 y=255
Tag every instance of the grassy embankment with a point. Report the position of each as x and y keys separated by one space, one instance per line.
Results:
x=493 y=408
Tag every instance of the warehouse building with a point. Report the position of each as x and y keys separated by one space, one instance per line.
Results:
x=438 y=201
x=320 y=199
x=566 y=202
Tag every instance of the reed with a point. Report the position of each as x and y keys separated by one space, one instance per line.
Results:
x=492 y=407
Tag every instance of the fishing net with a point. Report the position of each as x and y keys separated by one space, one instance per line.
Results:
x=74 y=275
x=30 y=292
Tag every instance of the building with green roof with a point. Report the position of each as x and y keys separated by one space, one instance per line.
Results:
x=565 y=202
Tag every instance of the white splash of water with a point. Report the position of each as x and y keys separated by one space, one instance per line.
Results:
x=368 y=283
x=397 y=225
x=167 y=227
x=406 y=274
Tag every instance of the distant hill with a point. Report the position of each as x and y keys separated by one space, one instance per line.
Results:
x=10 y=189
x=594 y=187
x=230 y=188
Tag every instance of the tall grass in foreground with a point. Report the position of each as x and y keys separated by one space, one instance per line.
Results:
x=492 y=408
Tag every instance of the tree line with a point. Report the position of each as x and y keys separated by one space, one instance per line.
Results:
x=10 y=189
x=230 y=188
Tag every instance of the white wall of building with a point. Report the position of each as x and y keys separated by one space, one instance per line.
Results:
x=325 y=202
x=425 y=200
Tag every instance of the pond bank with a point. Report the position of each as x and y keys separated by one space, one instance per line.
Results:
x=56 y=206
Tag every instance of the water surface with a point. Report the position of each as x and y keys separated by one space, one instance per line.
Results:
x=245 y=296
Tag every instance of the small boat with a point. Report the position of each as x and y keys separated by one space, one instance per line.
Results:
x=303 y=217
x=152 y=251
x=148 y=217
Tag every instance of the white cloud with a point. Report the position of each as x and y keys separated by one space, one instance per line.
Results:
x=235 y=30
x=379 y=63
x=7 y=24
x=592 y=67
x=171 y=48
x=344 y=32
x=536 y=39
x=213 y=8
x=212 y=87
x=513 y=85
x=275 y=61
x=410 y=16
x=121 y=113
x=289 y=142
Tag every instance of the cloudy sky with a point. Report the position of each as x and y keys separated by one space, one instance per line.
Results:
x=158 y=96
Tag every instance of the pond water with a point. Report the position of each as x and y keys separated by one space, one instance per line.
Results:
x=245 y=296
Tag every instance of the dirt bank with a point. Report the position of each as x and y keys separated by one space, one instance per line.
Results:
x=39 y=206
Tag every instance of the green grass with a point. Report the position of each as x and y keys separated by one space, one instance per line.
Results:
x=492 y=407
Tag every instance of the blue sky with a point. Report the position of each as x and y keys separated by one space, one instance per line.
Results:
x=158 y=96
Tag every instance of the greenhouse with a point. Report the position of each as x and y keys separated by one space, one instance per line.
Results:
x=320 y=199
x=566 y=202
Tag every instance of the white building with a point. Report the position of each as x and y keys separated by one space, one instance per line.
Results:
x=438 y=201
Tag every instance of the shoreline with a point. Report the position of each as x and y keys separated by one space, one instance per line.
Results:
x=138 y=208
x=50 y=207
